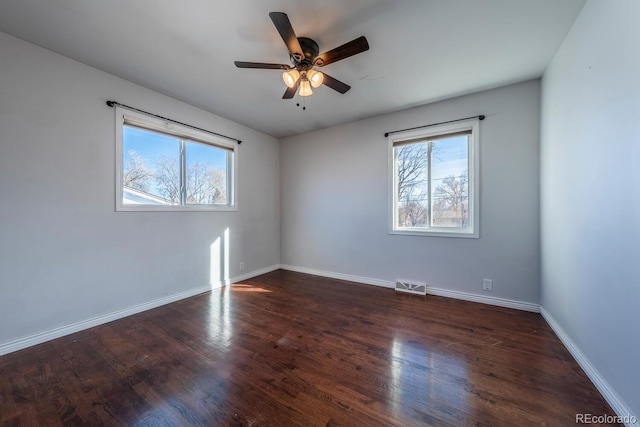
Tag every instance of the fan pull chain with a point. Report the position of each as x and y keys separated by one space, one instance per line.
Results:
x=304 y=102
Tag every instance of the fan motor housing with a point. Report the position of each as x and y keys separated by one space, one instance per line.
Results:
x=310 y=49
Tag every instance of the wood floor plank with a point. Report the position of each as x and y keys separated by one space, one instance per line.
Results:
x=289 y=349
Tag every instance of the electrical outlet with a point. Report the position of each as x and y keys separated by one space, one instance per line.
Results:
x=241 y=265
x=487 y=284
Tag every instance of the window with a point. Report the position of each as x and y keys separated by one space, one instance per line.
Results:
x=167 y=166
x=434 y=180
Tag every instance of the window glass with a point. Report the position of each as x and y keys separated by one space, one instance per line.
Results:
x=433 y=181
x=163 y=166
x=450 y=182
x=412 y=185
x=145 y=167
x=206 y=169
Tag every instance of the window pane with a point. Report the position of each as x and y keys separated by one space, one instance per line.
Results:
x=172 y=167
x=206 y=172
x=450 y=182
x=150 y=168
x=412 y=190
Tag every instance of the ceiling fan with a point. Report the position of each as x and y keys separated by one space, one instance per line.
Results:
x=303 y=53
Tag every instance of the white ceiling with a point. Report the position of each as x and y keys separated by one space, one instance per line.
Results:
x=421 y=50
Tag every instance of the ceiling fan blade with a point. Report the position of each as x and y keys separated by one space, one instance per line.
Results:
x=291 y=91
x=283 y=25
x=354 y=47
x=261 y=65
x=335 y=84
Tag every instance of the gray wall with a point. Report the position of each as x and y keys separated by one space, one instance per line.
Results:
x=333 y=185
x=590 y=186
x=65 y=254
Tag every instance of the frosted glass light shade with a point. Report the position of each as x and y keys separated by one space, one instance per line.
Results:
x=305 y=88
x=315 y=77
x=290 y=77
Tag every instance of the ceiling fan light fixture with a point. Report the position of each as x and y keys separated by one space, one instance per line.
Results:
x=304 y=55
x=315 y=78
x=305 y=88
x=290 y=78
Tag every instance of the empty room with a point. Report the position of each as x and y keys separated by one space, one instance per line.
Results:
x=319 y=213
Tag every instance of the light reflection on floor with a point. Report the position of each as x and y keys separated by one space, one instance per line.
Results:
x=417 y=369
x=219 y=325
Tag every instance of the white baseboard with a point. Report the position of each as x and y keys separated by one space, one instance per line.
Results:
x=614 y=400
x=339 y=276
x=501 y=302
x=51 y=334
x=483 y=299
x=253 y=273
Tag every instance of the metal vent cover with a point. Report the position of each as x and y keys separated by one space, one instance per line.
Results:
x=411 y=287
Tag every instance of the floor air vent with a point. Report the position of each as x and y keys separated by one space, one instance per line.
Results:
x=411 y=287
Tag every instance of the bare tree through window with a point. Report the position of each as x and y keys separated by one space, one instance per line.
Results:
x=412 y=181
x=204 y=184
x=413 y=203
x=135 y=173
x=451 y=201
x=434 y=180
x=170 y=166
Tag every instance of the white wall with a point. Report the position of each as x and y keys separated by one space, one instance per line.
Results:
x=65 y=254
x=590 y=186
x=334 y=200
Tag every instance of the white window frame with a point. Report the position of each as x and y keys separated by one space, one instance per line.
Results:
x=473 y=229
x=174 y=129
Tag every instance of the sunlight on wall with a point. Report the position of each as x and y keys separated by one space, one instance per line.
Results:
x=219 y=274
x=225 y=256
x=220 y=327
x=215 y=267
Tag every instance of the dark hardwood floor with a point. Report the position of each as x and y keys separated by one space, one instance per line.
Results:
x=287 y=349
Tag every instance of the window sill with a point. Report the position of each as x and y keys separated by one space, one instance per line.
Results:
x=193 y=208
x=433 y=233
